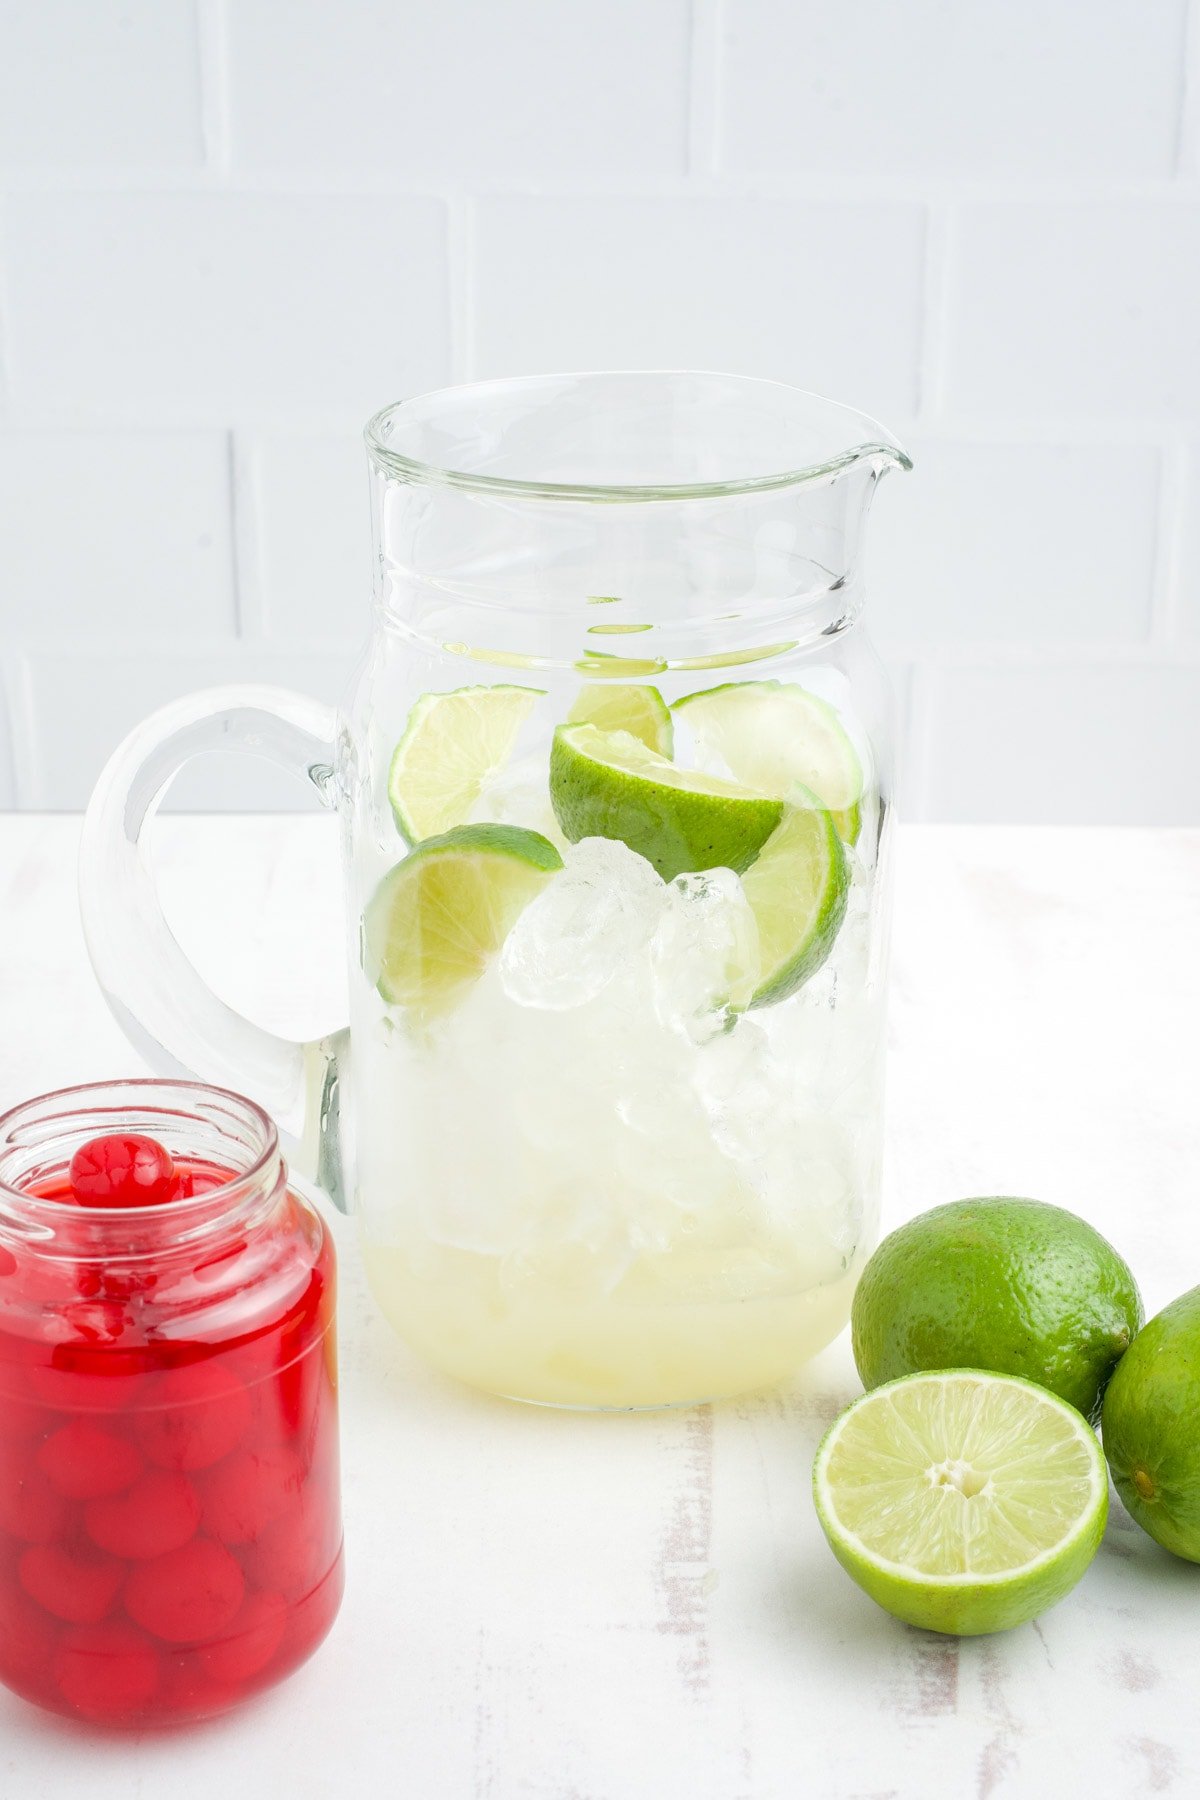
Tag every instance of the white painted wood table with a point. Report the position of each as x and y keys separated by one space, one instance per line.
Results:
x=549 y=1606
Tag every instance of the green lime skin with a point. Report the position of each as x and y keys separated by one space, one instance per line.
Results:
x=1015 y=1286
x=1151 y=1427
x=798 y=888
x=977 y=1609
x=676 y=829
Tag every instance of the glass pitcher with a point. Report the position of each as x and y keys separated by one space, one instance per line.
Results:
x=615 y=780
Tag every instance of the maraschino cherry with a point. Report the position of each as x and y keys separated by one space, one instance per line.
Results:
x=123 y=1170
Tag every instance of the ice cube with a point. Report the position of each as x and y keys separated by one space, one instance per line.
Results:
x=582 y=931
x=666 y=1151
x=519 y=794
x=799 y=1166
x=704 y=954
x=595 y=1113
x=742 y=1088
x=459 y=1164
x=810 y=1187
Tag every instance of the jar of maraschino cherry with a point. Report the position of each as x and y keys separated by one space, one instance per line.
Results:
x=170 y=1521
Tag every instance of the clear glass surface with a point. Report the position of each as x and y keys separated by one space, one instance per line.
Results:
x=612 y=1128
x=593 y=1181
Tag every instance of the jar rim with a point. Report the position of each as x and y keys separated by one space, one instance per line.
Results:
x=848 y=437
x=49 y=1115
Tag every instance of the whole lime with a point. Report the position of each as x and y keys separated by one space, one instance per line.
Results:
x=1150 y=1427
x=1014 y=1286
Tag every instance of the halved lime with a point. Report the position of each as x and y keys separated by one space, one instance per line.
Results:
x=798 y=888
x=452 y=744
x=961 y=1501
x=626 y=706
x=608 y=784
x=438 y=917
x=773 y=735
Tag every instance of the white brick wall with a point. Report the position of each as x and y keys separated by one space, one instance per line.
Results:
x=306 y=543
x=1188 y=585
x=100 y=694
x=1085 y=309
x=1119 y=741
x=1010 y=547
x=1032 y=88
x=99 y=86
x=114 y=535
x=826 y=296
x=231 y=228
x=459 y=89
x=219 y=306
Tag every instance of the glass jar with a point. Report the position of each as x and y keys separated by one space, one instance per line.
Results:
x=616 y=784
x=170 y=1525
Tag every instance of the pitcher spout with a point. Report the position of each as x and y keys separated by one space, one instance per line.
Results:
x=887 y=456
x=875 y=450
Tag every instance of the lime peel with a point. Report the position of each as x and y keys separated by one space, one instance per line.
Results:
x=609 y=784
x=1002 y=1283
x=1149 y=1425
x=798 y=888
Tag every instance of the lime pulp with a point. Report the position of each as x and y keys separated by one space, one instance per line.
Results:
x=776 y=736
x=438 y=917
x=452 y=744
x=635 y=707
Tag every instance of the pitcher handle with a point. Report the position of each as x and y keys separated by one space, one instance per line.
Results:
x=168 y=1012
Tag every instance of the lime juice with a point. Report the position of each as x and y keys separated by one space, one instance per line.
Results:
x=645 y=1348
x=618 y=1038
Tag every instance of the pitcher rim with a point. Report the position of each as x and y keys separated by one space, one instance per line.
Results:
x=875 y=445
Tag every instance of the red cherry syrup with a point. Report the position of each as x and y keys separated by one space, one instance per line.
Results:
x=170 y=1526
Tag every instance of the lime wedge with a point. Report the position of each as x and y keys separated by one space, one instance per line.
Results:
x=960 y=1501
x=438 y=917
x=452 y=744
x=798 y=888
x=626 y=706
x=774 y=734
x=608 y=784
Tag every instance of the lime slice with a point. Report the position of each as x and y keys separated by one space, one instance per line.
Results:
x=453 y=743
x=961 y=1501
x=772 y=735
x=626 y=706
x=798 y=888
x=438 y=917
x=608 y=784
